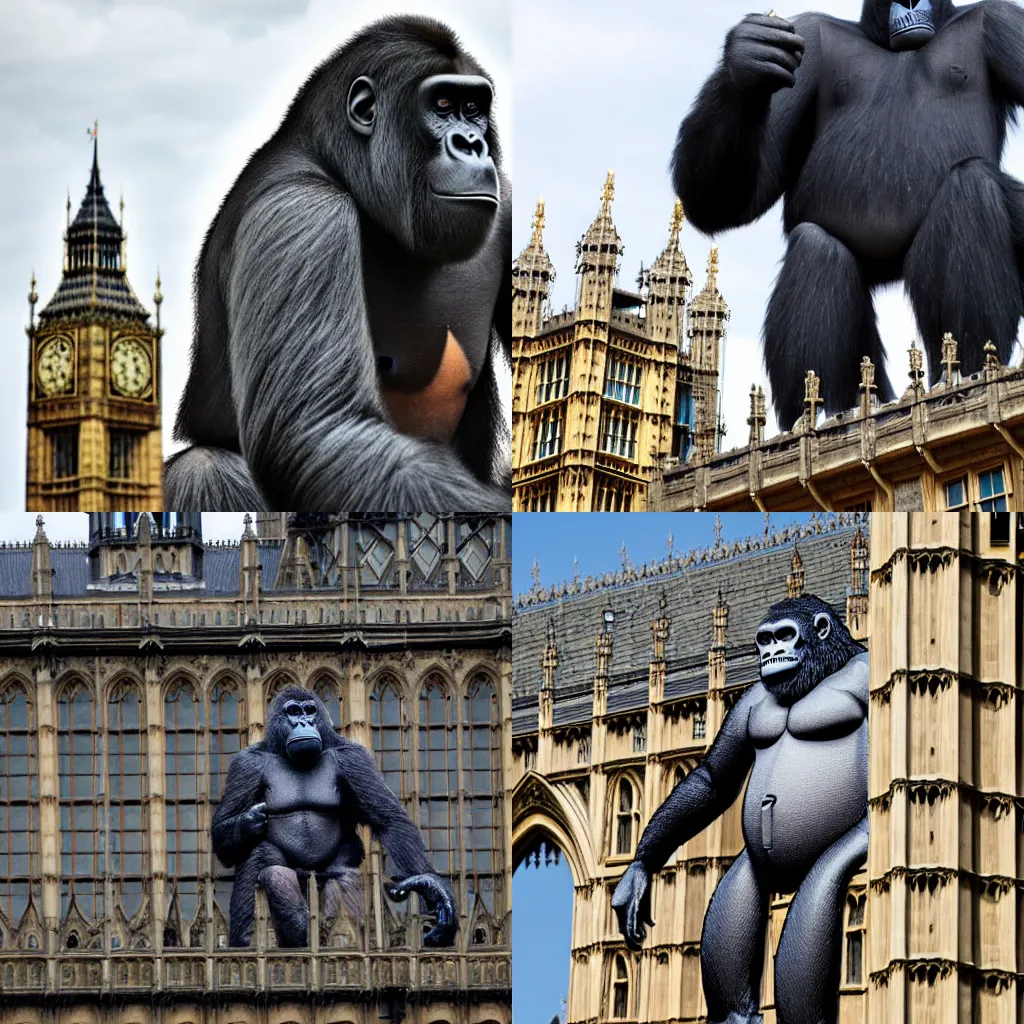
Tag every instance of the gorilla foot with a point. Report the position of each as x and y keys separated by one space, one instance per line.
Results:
x=741 y=1018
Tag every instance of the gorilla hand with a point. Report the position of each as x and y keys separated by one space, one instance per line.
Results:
x=253 y=824
x=762 y=54
x=439 y=902
x=632 y=904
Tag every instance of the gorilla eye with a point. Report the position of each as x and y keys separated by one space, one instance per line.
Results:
x=785 y=634
x=764 y=638
x=292 y=709
x=443 y=104
x=471 y=108
x=309 y=709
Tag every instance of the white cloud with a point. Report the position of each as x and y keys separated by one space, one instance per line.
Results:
x=599 y=85
x=185 y=91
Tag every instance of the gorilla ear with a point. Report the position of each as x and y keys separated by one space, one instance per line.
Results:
x=822 y=625
x=362 y=105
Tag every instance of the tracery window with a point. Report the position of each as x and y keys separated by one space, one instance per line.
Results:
x=184 y=771
x=618 y=435
x=19 y=806
x=328 y=691
x=623 y=380
x=80 y=795
x=553 y=378
x=438 y=784
x=855 y=907
x=620 y=989
x=226 y=740
x=626 y=815
x=390 y=744
x=126 y=772
x=548 y=438
x=482 y=783
x=700 y=725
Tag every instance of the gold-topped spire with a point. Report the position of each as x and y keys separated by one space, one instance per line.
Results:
x=538 y=225
x=608 y=192
x=676 y=224
x=712 y=269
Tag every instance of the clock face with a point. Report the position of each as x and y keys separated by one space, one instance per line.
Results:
x=55 y=365
x=131 y=370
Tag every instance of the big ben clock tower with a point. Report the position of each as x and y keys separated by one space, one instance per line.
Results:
x=94 y=376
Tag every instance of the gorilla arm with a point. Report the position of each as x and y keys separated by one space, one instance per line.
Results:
x=743 y=142
x=698 y=800
x=1004 y=48
x=240 y=820
x=379 y=808
x=312 y=423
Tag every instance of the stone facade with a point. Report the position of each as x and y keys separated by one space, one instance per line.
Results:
x=621 y=683
x=130 y=687
x=605 y=391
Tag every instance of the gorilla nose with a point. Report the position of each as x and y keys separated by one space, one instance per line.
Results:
x=464 y=145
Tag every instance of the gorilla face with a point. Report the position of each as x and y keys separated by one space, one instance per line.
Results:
x=431 y=167
x=783 y=648
x=303 y=743
x=911 y=24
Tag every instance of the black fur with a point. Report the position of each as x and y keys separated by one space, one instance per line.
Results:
x=821 y=658
x=889 y=167
x=240 y=829
x=284 y=399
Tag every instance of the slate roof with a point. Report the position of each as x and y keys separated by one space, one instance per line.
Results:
x=749 y=582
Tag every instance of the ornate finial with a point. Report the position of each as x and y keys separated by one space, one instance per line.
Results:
x=94 y=131
x=718 y=531
x=670 y=544
x=624 y=555
x=40 y=533
x=867 y=386
x=991 y=358
x=950 y=362
x=916 y=368
x=122 y=209
x=33 y=298
x=713 y=267
x=608 y=192
x=812 y=398
x=538 y=225
x=575 y=570
x=676 y=224
x=158 y=296
x=535 y=574
x=758 y=416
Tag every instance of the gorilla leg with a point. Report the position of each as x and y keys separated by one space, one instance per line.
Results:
x=962 y=273
x=243 y=891
x=810 y=950
x=200 y=479
x=820 y=318
x=343 y=888
x=288 y=906
x=732 y=946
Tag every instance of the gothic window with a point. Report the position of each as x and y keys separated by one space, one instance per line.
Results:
x=553 y=378
x=390 y=744
x=700 y=725
x=542 y=497
x=482 y=784
x=438 y=784
x=374 y=551
x=475 y=542
x=678 y=775
x=426 y=544
x=226 y=739
x=126 y=774
x=855 y=906
x=78 y=763
x=620 y=989
x=618 y=435
x=639 y=738
x=612 y=495
x=327 y=690
x=19 y=807
x=623 y=380
x=626 y=818
x=124 y=447
x=548 y=438
x=64 y=452
x=185 y=732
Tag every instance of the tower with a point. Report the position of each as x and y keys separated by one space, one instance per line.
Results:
x=174 y=559
x=708 y=317
x=94 y=375
x=669 y=286
x=532 y=277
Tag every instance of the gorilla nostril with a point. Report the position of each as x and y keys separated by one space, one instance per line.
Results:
x=385 y=364
x=466 y=144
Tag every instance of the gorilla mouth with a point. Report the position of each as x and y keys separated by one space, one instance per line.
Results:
x=778 y=663
x=911 y=24
x=471 y=197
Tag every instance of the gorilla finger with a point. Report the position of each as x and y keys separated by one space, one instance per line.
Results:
x=771 y=70
x=782 y=58
x=784 y=40
x=769 y=21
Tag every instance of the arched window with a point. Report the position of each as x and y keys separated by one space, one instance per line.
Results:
x=78 y=764
x=185 y=732
x=126 y=771
x=678 y=775
x=327 y=690
x=482 y=783
x=438 y=784
x=226 y=740
x=624 y=818
x=700 y=725
x=855 y=907
x=620 y=989
x=19 y=808
x=387 y=716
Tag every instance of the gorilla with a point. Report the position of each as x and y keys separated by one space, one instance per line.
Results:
x=352 y=294
x=290 y=809
x=801 y=734
x=885 y=137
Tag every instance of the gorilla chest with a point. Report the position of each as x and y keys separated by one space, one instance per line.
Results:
x=825 y=713
x=288 y=789
x=303 y=808
x=431 y=328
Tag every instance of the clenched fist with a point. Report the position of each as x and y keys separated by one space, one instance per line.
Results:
x=254 y=822
x=762 y=54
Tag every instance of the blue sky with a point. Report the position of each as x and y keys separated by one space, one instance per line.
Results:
x=542 y=898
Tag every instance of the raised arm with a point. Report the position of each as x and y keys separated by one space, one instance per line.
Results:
x=747 y=135
x=296 y=309
x=1004 y=48
x=698 y=800
x=240 y=820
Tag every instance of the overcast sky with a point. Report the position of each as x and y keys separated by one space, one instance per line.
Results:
x=184 y=90
x=601 y=85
